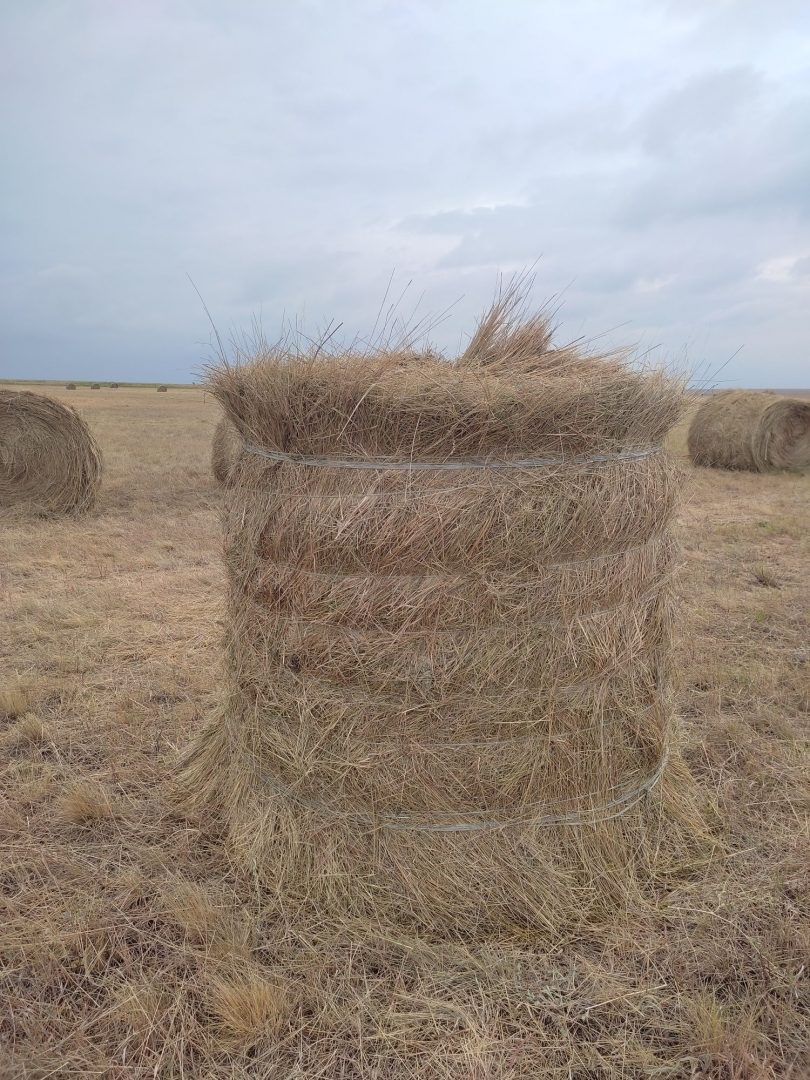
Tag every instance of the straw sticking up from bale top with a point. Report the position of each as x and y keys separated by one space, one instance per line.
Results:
x=225 y=449
x=49 y=460
x=448 y=687
x=753 y=430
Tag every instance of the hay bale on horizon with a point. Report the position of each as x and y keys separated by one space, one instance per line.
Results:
x=755 y=430
x=162 y=389
x=448 y=636
x=70 y=386
x=95 y=386
x=49 y=460
x=225 y=449
x=113 y=385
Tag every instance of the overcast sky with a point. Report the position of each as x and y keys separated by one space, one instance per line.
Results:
x=289 y=155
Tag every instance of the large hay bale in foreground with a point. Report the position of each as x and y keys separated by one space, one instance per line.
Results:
x=49 y=460
x=448 y=637
x=225 y=449
x=751 y=429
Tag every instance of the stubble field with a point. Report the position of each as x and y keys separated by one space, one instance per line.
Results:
x=129 y=948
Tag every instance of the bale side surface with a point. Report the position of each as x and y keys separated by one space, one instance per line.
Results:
x=49 y=460
x=225 y=448
x=752 y=430
x=424 y=665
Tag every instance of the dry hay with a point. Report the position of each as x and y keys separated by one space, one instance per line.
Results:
x=49 y=460
x=162 y=389
x=113 y=385
x=95 y=386
x=447 y=692
x=751 y=429
x=225 y=449
x=70 y=386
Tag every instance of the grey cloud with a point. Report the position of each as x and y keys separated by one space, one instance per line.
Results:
x=705 y=105
x=289 y=157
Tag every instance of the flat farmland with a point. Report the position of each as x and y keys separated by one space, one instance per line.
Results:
x=130 y=948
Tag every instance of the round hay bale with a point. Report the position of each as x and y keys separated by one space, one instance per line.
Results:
x=70 y=386
x=448 y=638
x=225 y=449
x=162 y=389
x=95 y=386
x=751 y=429
x=113 y=385
x=49 y=460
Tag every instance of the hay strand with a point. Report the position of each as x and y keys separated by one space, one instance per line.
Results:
x=750 y=429
x=49 y=460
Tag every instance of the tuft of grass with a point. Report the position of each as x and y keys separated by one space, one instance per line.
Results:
x=764 y=577
x=11 y=820
x=143 y=1009
x=85 y=802
x=210 y=919
x=14 y=700
x=28 y=731
x=248 y=1008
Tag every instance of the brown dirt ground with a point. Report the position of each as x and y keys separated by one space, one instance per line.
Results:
x=128 y=948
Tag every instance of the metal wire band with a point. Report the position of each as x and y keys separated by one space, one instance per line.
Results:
x=457 y=463
x=622 y=804
x=501 y=626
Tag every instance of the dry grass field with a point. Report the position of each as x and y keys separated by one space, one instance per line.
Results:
x=128 y=948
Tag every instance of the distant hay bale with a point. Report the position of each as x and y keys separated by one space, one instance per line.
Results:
x=113 y=385
x=162 y=389
x=448 y=635
x=751 y=429
x=95 y=386
x=225 y=449
x=49 y=460
x=70 y=386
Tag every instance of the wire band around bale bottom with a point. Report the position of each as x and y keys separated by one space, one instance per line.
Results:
x=608 y=811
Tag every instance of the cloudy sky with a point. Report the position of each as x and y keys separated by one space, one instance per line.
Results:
x=651 y=157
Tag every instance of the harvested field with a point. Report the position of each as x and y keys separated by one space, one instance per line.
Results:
x=128 y=946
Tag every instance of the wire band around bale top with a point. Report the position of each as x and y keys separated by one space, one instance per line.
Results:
x=607 y=811
x=409 y=465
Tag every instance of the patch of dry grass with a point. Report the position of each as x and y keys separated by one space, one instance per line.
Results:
x=128 y=948
x=14 y=699
x=85 y=802
x=248 y=1008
